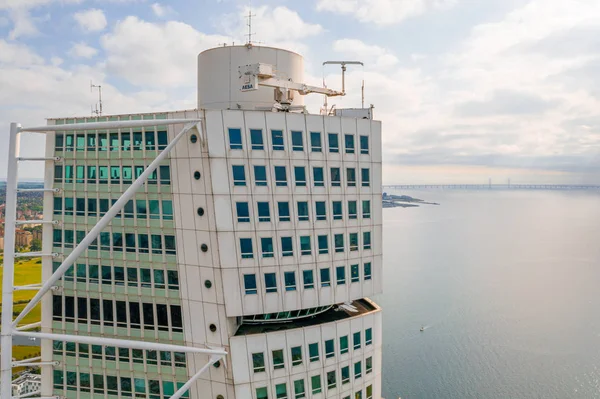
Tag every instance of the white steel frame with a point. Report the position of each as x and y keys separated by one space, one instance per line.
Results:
x=10 y=327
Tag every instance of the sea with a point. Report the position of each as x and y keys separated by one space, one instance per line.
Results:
x=506 y=284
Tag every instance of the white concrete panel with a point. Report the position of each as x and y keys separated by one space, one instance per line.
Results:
x=214 y=134
x=220 y=176
x=228 y=250
x=223 y=212
x=233 y=292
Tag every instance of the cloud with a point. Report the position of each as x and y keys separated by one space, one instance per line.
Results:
x=383 y=12
x=505 y=102
x=12 y=54
x=82 y=50
x=162 y=11
x=92 y=20
x=370 y=54
x=156 y=54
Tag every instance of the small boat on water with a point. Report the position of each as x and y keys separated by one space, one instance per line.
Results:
x=422 y=329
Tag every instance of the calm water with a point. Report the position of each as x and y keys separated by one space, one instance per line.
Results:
x=507 y=284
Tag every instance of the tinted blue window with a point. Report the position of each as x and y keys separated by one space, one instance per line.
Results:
x=300 y=175
x=315 y=142
x=260 y=175
x=340 y=275
x=336 y=180
x=297 y=142
x=263 y=212
x=364 y=144
x=323 y=244
x=270 y=282
x=239 y=175
x=302 y=211
x=367 y=271
x=246 y=248
x=366 y=178
x=287 y=246
x=305 y=245
x=319 y=179
x=351 y=177
x=266 y=244
x=250 y=283
x=290 y=281
x=325 y=278
x=321 y=210
x=284 y=211
x=277 y=138
x=235 y=139
x=334 y=145
x=309 y=279
x=349 y=143
x=243 y=212
x=256 y=139
x=280 y=176
x=337 y=210
x=354 y=274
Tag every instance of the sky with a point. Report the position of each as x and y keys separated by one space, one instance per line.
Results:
x=467 y=90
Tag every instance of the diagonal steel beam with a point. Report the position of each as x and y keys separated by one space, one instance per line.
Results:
x=102 y=223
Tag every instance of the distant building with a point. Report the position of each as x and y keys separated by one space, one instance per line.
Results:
x=37 y=235
x=2 y=243
x=23 y=238
x=26 y=384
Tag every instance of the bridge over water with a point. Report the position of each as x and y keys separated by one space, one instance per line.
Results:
x=493 y=186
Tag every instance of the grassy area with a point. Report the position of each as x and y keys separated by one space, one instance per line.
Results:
x=25 y=352
x=27 y=271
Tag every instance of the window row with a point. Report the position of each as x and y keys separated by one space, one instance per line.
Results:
x=122 y=276
x=331 y=381
x=136 y=315
x=115 y=385
x=149 y=140
x=97 y=207
x=110 y=353
x=343 y=275
x=323 y=243
x=300 y=177
x=297 y=140
x=118 y=242
x=303 y=209
x=316 y=351
x=93 y=174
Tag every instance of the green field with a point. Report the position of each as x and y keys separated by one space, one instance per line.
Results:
x=27 y=271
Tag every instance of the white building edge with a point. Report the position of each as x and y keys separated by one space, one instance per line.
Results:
x=208 y=255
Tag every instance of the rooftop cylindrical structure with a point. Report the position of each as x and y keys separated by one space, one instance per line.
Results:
x=219 y=79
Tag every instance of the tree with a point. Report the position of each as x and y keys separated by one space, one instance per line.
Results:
x=36 y=245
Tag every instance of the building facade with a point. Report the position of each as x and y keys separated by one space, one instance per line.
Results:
x=26 y=385
x=23 y=238
x=261 y=234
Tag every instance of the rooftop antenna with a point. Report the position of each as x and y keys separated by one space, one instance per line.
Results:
x=250 y=34
x=97 y=111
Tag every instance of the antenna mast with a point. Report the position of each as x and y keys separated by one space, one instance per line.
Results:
x=97 y=111
x=250 y=34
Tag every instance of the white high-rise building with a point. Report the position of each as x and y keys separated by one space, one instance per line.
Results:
x=261 y=233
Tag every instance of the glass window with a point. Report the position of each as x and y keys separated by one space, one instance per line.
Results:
x=235 y=139
x=150 y=141
x=246 y=248
x=366 y=209
x=58 y=142
x=313 y=352
x=250 y=284
x=366 y=240
x=287 y=247
x=334 y=145
x=270 y=282
x=367 y=271
x=335 y=177
x=284 y=211
x=277 y=137
x=351 y=177
x=154 y=209
x=356 y=339
x=261 y=393
x=340 y=275
x=337 y=210
x=368 y=336
x=321 y=210
x=264 y=214
x=167 y=209
x=239 y=175
x=258 y=362
x=338 y=242
x=299 y=390
x=290 y=281
x=345 y=375
x=354 y=274
x=364 y=144
x=260 y=175
x=309 y=280
x=318 y=177
x=357 y=370
x=281 y=391
x=280 y=176
x=297 y=142
x=368 y=364
x=343 y=344
x=352 y=211
x=102 y=142
x=349 y=143
x=266 y=245
x=315 y=383
x=323 y=243
x=125 y=141
x=305 y=245
x=331 y=379
x=325 y=277
x=302 y=211
x=278 y=359
x=329 y=349
x=162 y=139
x=58 y=173
x=353 y=241
x=369 y=390
x=256 y=139
x=296 y=355
x=300 y=176
x=315 y=142
x=365 y=177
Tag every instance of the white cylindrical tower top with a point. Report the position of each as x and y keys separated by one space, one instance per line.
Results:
x=219 y=79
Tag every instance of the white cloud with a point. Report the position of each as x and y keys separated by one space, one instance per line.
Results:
x=17 y=55
x=156 y=54
x=383 y=12
x=23 y=23
x=82 y=50
x=371 y=55
x=91 y=20
x=162 y=11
